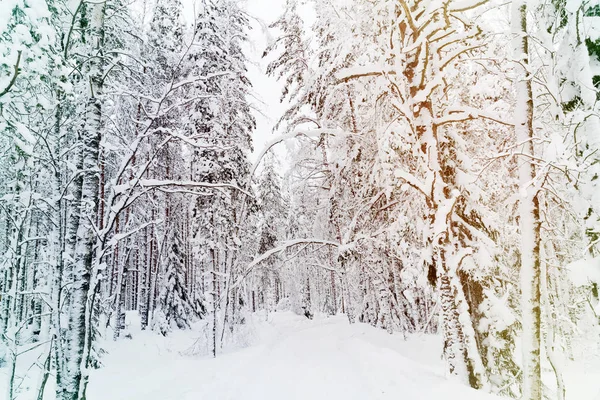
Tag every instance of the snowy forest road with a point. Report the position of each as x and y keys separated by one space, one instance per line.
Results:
x=294 y=359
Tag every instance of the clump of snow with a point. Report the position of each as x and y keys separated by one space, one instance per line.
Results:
x=498 y=314
x=585 y=271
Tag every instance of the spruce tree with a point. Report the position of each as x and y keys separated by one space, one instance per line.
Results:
x=175 y=308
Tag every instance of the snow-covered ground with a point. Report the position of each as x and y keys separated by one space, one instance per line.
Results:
x=295 y=359
x=289 y=357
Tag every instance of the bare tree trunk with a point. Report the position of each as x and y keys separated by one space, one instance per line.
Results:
x=551 y=353
x=120 y=297
x=146 y=277
x=80 y=337
x=57 y=250
x=529 y=212
x=214 y=296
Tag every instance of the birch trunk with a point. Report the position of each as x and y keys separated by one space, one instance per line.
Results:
x=84 y=272
x=529 y=212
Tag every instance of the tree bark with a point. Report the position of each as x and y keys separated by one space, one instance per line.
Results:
x=529 y=212
x=75 y=382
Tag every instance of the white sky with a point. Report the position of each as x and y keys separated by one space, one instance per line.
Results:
x=267 y=89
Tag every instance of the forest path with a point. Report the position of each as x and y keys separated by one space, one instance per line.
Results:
x=295 y=359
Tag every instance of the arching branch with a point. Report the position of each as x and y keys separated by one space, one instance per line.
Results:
x=15 y=74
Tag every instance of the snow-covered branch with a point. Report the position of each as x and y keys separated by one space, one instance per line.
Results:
x=155 y=183
x=469 y=113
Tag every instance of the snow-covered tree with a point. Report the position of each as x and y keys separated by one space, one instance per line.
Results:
x=437 y=180
x=175 y=308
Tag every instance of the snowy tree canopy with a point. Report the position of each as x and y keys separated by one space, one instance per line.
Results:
x=413 y=184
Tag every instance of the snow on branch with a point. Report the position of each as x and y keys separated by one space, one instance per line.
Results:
x=198 y=78
x=411 y=180
x=124 y=235
x=310 y=133
x=348 y=74
x=287 y=244
x=466 y=5
x=279 y=249
x=155 y=183
x=354 y=221
x=585 y=271
x=468 y=113
x=452 y=56
x=14 y=78
x=189 y=140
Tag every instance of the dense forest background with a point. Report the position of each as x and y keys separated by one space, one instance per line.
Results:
x=440 y=177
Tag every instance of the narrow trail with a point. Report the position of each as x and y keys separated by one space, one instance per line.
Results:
x=296 y=359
